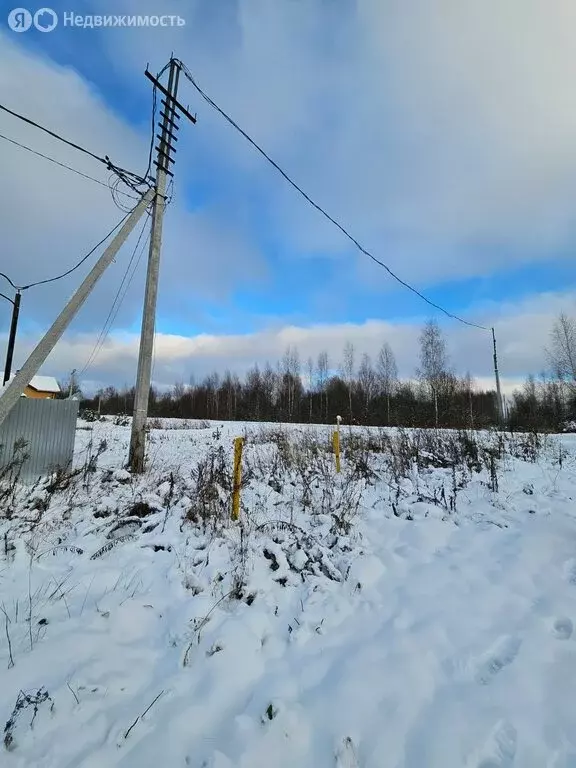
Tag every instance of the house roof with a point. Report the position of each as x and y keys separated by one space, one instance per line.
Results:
x=45 y=384
x=41 y=383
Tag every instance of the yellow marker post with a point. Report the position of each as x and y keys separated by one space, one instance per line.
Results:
x=336 y=443
x=238 y=445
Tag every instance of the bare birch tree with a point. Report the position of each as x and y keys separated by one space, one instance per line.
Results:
x=367 y=381
x=387 y=372
x=310 y=372
x=323 y=366
x=291 y=374
x=433 y=370
x=561 y=353
x=469 y=390
x=348 y=372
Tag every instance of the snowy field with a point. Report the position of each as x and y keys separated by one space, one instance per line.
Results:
x=416 y=610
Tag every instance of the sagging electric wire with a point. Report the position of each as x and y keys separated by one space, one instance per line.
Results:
x=321 y=210
x=132 y=180
x=79 y=263
x=10 y=281
x=64 y=165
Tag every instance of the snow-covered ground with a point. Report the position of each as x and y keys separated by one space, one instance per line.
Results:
x=406 y=612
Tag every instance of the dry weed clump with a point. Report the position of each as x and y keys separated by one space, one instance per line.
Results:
x=212 y=489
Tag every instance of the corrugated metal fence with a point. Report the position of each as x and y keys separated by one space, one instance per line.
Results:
x=48 y=427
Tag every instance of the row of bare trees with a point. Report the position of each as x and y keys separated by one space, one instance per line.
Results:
x=361 y=389
x=368 y=390
x=549 y=400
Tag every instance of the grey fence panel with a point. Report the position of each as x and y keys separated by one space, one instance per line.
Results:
x=48 y=428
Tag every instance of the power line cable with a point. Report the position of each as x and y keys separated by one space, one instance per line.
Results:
x=112 y=314
x=63 y=165
x=75 y=267
x=113 y=184
x=117 y=303
x=10 y=281
x=321 y=210
x=79 y=263
x=132 y=179
x=169 y=193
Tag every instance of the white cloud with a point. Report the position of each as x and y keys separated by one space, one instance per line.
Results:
x=483 y=93
x=50 y=217
x=440 y=131
x=522 y=332
x=437 y=130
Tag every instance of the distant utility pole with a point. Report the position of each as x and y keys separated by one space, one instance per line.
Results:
x=24 y=376
x=72 y=383
x=497 y=376
x=165 y=149
x=12 y=336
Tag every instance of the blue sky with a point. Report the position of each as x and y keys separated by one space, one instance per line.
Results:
x=434 y=167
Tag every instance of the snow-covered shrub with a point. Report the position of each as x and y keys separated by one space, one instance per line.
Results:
x=90 y=416
x=10 y=477
x=213 y=487
x=526 y=445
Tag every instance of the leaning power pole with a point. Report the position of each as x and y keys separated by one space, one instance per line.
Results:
x=16 y=387
x=164 y=158
x=499 y=406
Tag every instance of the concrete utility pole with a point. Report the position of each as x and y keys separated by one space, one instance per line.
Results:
x=11 y=394
x=497 y=376
x=12 y=336
x=143 y=377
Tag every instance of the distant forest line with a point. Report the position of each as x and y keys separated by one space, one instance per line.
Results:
x=366 y=391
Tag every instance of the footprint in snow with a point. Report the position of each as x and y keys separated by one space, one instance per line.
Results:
x=563 y=628
x=346 y=755
x=499 y=750
x=500 y=655
x=570 y=571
